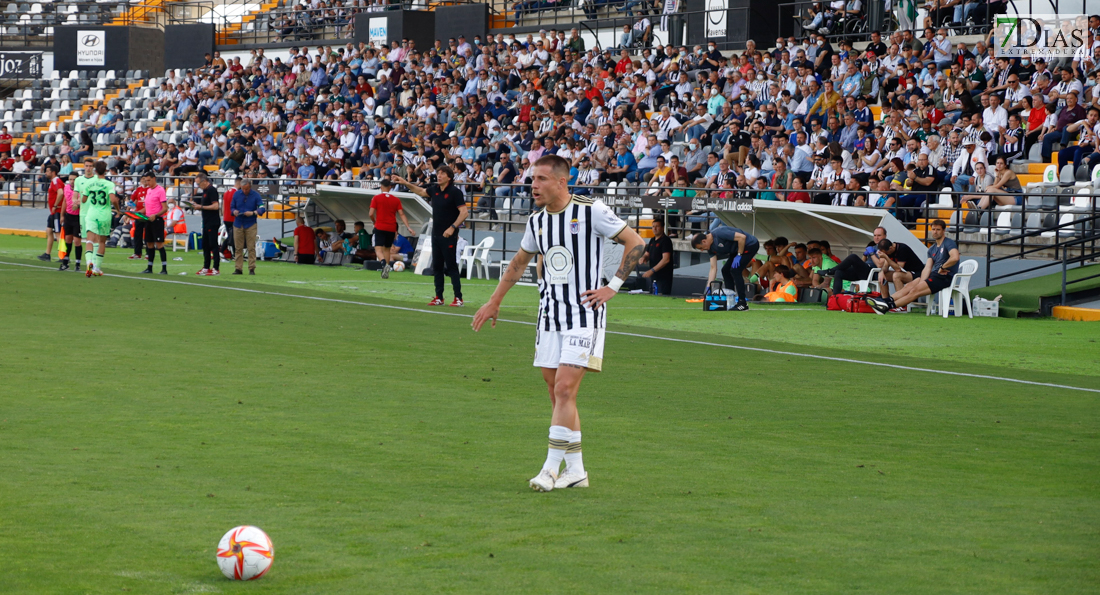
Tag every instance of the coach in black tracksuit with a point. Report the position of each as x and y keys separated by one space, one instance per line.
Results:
x=210 y=205
x=738 y=247
x=448 y=212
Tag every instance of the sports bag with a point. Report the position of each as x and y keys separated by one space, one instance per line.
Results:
x=851 y=302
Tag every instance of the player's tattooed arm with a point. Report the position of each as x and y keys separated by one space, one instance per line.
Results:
x=514 y=272
x=631 y=260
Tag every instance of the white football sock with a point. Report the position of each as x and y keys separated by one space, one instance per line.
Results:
x=559 y=441
x=573 y=461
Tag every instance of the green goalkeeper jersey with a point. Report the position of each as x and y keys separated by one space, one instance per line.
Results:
x=99 y=193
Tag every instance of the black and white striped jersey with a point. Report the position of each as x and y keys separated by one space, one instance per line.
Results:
x=571 y=245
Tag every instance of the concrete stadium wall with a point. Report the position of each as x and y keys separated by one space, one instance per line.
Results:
x=464 y=19
x=185 y=46
x=146 y=50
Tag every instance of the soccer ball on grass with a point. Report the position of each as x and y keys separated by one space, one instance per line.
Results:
x=245 y=553
x=398 y=266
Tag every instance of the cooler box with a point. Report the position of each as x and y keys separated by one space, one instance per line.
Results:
x=719 y=298
x=267 y=250
x=984 y=307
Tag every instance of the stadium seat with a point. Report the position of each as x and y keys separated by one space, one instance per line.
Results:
x=1008 y=220
x=960 y=287
x=1083 y=201
x=1063 y=220
x=1067 y=175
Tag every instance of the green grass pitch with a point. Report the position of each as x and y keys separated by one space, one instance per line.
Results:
x=389 y=450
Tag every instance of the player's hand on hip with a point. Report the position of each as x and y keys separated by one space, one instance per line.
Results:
x=486 y=312
x=594 y=298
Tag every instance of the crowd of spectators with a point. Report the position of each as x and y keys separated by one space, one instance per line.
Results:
x=793 y=123
x=299 y=20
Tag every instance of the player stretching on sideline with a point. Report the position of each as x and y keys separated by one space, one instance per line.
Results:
x=156 y=205
x=98 y=196
x=78 y=188
x=568 y=232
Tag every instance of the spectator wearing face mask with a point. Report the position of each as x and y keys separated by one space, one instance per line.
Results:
x=695 y=160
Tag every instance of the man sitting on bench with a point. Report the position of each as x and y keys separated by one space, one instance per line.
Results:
x=939 y=270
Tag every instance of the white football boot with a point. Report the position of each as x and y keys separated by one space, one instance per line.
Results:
x=544 y=481
x=571 y=479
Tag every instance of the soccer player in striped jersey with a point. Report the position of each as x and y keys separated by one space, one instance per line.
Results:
x=568 y=232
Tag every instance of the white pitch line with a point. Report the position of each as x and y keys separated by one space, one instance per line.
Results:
x=620 y=333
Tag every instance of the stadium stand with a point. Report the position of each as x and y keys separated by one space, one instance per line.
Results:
x=349 y=113
x=32 y=22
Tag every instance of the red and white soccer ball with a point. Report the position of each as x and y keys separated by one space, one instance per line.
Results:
x=398 y=266
x=245 y=553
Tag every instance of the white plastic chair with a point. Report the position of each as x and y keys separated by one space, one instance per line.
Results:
x=868 y=284
x=478 y=256
x=960 y=284
x=179 y=240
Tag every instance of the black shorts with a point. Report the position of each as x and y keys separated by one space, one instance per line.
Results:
x=53 y=222
x=72 y=225
x=307 y=258
x=154 y=231
x=937 y=282
x=384 y=238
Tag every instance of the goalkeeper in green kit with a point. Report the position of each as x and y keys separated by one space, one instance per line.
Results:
x=97 y=197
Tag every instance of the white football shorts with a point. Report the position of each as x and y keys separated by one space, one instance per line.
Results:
x=579 y=347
